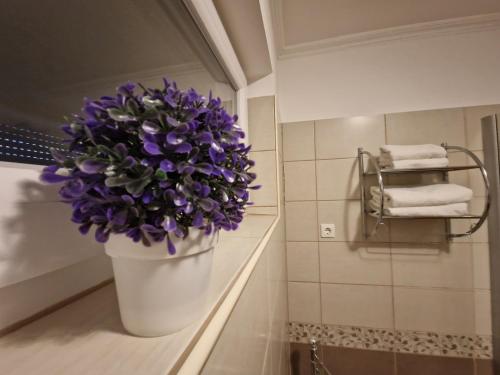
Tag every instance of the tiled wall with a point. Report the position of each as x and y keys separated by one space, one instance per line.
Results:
x=255 y=338
x=262 y=137
x=407 y=289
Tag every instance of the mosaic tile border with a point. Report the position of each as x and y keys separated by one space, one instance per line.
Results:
x=430 y=343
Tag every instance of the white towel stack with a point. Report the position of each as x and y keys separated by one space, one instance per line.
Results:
x=412 y=156
x=426 y=200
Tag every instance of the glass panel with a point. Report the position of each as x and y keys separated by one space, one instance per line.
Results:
x=59 y=52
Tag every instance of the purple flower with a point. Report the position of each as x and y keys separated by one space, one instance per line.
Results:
x=204 y=138
x=128 y=199
x=53 y=178
x=167 y=166
x=101 y=234
x=169 y=224
x=205 y=168
x=170 y=246
x=153 y=165
x=91 y=166
x=152 y=148
x=174 y=139
x=151 y=127
x=183 y=148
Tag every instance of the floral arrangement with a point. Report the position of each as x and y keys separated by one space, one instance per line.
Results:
x=152 y=165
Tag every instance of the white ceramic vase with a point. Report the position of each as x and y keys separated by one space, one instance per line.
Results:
x=159 y=293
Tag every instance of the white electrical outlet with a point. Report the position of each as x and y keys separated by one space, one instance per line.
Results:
x=327 y=230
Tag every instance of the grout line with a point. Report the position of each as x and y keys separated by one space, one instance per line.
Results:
x=466 y=135
x=397 y=286
x=317 y=224
x=321 y=159
x=323 y=200
x=389 y=230
x=263 y=150
x=415 y=245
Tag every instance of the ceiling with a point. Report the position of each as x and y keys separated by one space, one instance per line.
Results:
x=57 y=43
x=56 y=49
x=309 y=21
x=242 y=20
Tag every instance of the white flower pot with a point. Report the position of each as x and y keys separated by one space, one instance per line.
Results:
x=159 y=293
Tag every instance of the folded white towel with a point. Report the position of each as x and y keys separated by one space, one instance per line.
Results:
x=453 y=209
x=425 y=195
x=409 y=152
x=414 y=163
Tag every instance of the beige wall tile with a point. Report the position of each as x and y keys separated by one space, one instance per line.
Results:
x=261 y=123
x=473 y=117
x=304 y=302
x=340 y=138
x=262 y=210
x=433 y=279
x=280 y=140
x=303 y=261
x=337 y=179
x=482 y=301
x=436 y=126
x=414 y=179
x=419 y=231
x=300 y=180
x=461 y=226
x=476 y=182
x=265 y=167
x=435 y=310
x=459 y=177
x=357 y=305
x=298 y=141
x=341 y=262
x=425 y=266
x=301 y=221
x=346 y=215
x=476 y=206
x=481 y=265
x=247 y=327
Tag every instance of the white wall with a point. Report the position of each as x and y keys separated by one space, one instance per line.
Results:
x=406 y=75
x=43 y=257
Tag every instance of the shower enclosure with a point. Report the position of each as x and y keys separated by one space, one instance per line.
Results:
x=491 y=143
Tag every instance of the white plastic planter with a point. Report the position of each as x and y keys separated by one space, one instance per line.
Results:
x=159 y=293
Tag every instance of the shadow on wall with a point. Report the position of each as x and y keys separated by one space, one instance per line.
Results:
x=36 y=234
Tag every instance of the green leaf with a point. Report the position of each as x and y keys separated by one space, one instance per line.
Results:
x=69 y=163
x=89 y=134
x=119 y=115
x=137 y=186
x=149 y=102
x=132 y=107
x=75 y=127
x=118 y=180
x=148 y=172
x=160 y=175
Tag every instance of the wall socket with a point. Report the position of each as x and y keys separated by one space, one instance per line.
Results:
x=327 y=230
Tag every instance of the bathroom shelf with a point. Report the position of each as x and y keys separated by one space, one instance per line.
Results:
x=380 y=173
x=376 y=215
x=424 y=170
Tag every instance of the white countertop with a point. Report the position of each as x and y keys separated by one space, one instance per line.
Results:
x=86 y=337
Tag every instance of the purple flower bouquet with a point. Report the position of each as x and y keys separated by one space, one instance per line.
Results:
x=152 y=165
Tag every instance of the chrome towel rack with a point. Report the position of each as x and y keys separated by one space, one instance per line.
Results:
x=380 y=173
